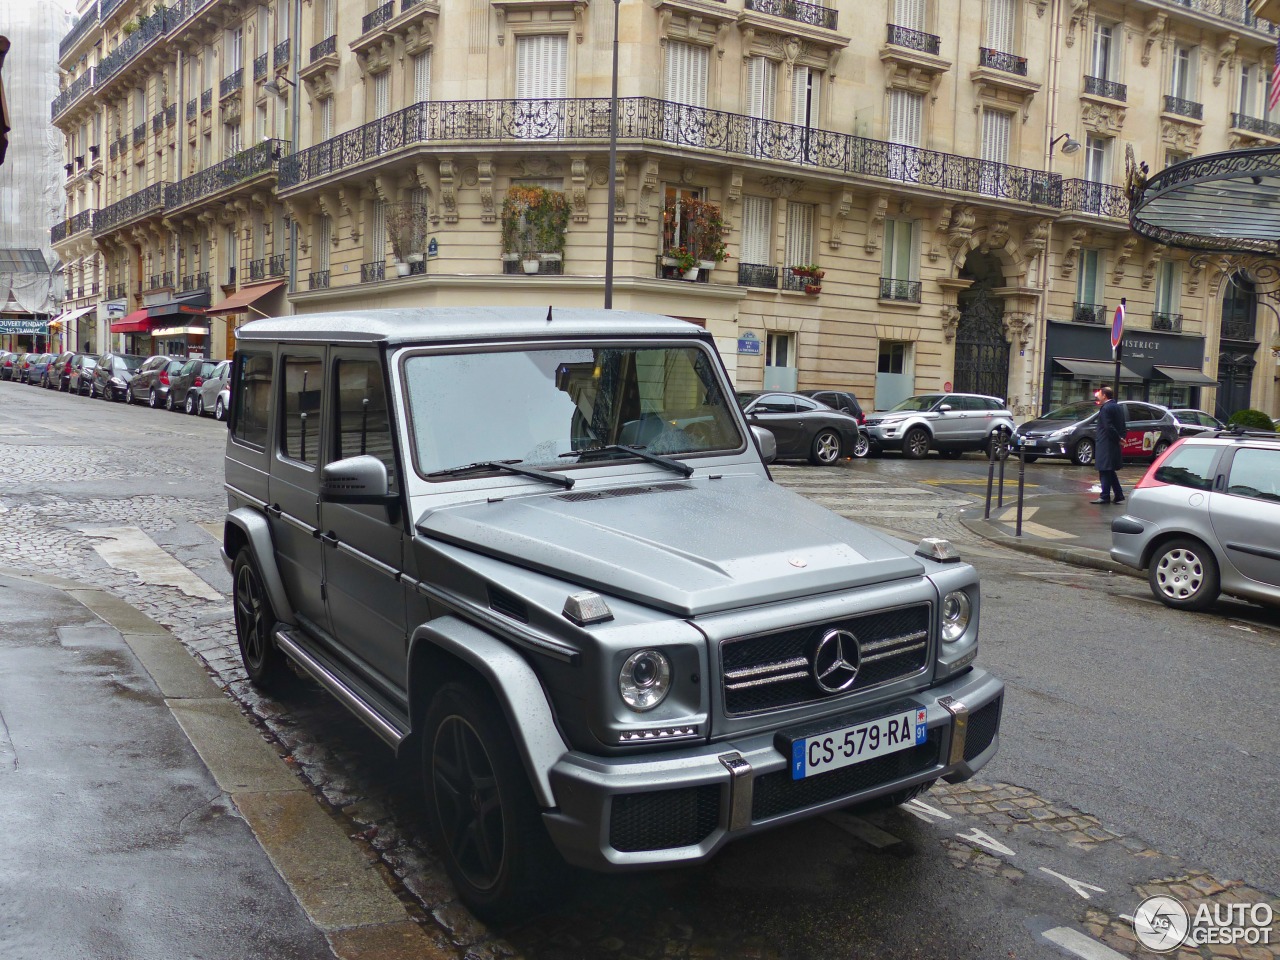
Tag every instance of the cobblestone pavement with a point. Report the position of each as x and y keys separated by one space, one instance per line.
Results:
x=162 y=473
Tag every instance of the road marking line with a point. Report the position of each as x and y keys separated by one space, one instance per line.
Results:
x=1079 y=886
x=972 y=483
x=1011 y=513
x=128 y=548
x=1076 y=942
x=1039 y=530
x=925 y=812
x=867 y=832
x=986 y=840
x=213 y=528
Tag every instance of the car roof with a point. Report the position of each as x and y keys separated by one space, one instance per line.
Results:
x=445 y=324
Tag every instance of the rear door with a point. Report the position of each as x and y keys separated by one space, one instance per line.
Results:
x=1246 y=516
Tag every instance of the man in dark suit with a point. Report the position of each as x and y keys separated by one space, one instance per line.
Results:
x=1111 y=427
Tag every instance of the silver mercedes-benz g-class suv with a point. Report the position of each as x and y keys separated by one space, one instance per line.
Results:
x=541 y=553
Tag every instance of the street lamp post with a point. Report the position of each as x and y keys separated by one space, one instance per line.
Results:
x=613 y=168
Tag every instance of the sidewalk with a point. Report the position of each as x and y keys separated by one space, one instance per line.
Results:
x=143 y=816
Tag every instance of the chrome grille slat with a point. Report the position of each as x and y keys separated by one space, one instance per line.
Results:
x=892 y=653
x=795 y=675
x=791 y=664
x=872 y=645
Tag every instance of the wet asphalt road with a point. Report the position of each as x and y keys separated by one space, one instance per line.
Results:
x=1160 y=726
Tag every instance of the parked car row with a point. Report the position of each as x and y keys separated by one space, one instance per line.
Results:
x=196 y=386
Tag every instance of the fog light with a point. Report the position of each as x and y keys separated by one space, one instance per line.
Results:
x=956 y=610
x=645 y=680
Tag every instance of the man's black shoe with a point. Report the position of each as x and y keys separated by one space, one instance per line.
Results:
x=1121 y=500
x=1100 y=501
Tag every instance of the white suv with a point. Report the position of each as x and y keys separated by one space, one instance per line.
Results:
x=950 y=423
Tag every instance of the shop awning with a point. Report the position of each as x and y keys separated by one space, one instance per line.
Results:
x=1188 y=375
x=245 y=297
x=1097 y=370
x=137 y=322
x=162 y=332
x=64 y=318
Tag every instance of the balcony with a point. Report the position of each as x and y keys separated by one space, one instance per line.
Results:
x=809 y=13
x=206 y=101
x=1171 y=322
x=1266 y=128
x=140 y=134
x=643 y=121
x=71 y=226
x=157 y=122
x=371 y=21
x=327 y=47
x=246 y=165
x=231 y=83
x=904 y=291
x=195 y=281
x=1092 y=313
x=280 y=56
x=318 y=280
x=1229 y=11
x=757 y=275
x=914 y=40
x=1098 y=87
x=276 y=266
x=160 y=281
x=117 y=291
x=260 y=68
x=143 y=203
x=668 y=270
x=1183 y=108
x=373 y=272
x=1241 y=330
x=1004 y=62
x=509 y=267
x=1100 y=199
x=151 y=29
x=171 y=115
x=258 y=269
x=64 y=101
x=193 y=106
x=83 y=27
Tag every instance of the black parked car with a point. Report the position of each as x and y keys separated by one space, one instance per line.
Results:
x=60 y=371
x=150 y=383
x=81 y=374
x=191 y=374
x=803 y=428
x=1071 y=432
x=8 y=364
x=845 y=402
x=112 y=375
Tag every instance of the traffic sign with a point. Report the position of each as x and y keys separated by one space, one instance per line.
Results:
x=1117 y=327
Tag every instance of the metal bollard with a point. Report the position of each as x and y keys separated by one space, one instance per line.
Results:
x=1000 y=487
x=991 y=472
x=1022 y=476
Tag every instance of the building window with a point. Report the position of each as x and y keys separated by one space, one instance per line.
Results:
x=757 y=231
x=806 y=92
x=234 y=50
x=893 y=357
x=1175 y=156
x=1168 y=287
x=329 y=22
x=909 y=14
x=378 y=233
x=382 y=94
x=231 y=139
x=1000 y=19
x=324 y=240
x=673 y=231
x=1097 y=159
x=687 y=68
x=762 y=87
x=1088 y=306
x=905 y=112
x=421 y=77
x=1182 y=79
x=901 y=266
x=326 y=118
x=1104 y=63
x=996 y=126
x=232 y=248
x=542 y=67
x=1247 y=90
x=779 y=349
x=800 y=221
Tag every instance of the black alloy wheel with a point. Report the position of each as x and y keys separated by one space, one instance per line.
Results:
x=915 y=443
x=255 y=625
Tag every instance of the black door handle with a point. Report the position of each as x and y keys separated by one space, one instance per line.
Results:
x=274 y=510
x=329 y=538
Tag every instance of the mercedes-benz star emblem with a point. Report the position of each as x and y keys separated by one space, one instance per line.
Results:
x=836 y=661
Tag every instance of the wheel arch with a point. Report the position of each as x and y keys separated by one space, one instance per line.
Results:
x=1159 y=540
x=448 y=648
x=248 y=528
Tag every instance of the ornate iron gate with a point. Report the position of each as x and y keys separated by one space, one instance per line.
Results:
x=982 y=353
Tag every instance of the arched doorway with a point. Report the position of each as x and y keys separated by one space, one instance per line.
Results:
x=982 y=352
x=1237 y=344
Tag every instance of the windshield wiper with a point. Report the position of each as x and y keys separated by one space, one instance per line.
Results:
x=632 y=450
x=507 y=466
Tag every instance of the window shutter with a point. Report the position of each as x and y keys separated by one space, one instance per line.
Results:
x=762 y=84
x=326 y=118
x=1088 y=285
x=909 y=14
x=905 y=109
x=1102 y=51
x=378 y=235
x=686 y=80
x=799 y=234
x=330 y=21
x=321 y=257
x=542 y=67
x=806 y=90
x=757 y=231
x=422 y=77
x=995 y=136
x=1000 y=14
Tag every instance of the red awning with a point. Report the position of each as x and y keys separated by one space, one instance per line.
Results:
x=137 y=322
x=242 y=298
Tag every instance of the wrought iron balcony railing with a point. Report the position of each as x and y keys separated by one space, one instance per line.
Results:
x=231 y=83
x=145 y=201
x=1171 y=322
x=1087 y=196
x=371 y=21
x=280 y=56
x=325 y=48
x=1245 y=330
x=122 y=145
x=373 y=272
x=908 y=291
x=318 y=280
x=206 y=101
x=149 y=30
x=1233 y=11
x=276 y=266
x=193 y=108
x=79 y=87
x=157 y=122
x=140 y=134
x=914 y=39
x=260 y=67
x=797 y=281
x=810 y=13
x=171 y=115
x=1268 y=128
x=258 y=269
x=644 y=119
x=117 y=291
x=195 y=281
x=77 y=33
x=1095 y=313
x=757 y=275
x=160 y=281
x=1098 y=87
x=71 y=226
x=407 y=5
x=245 y=165
x=509 y=268
x=998 y=60
x=1183 y=108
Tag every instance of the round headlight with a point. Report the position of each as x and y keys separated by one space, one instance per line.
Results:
x=956 y=610
x=645 y=680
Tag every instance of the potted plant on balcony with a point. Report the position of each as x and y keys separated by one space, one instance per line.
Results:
x=534 y=221
x=693 y=236
x=407 y=225
x=808 y=271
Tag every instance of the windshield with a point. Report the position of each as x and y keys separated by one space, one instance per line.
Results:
x=1072 y=411
x=532 y=406
x=916 y=404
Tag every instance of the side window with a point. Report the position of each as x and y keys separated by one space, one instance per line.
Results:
x=363 y=423
x=1189 y=466
x=252 y=388
x=1255 y=473
x=303 y=379
x=803 y=406
x=773 y=403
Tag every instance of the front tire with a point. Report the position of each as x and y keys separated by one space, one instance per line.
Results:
x=915 y=445
x=482 y=816
x=219 y=411
x=1184 y=575
x=190 y=405
x=826 y=448
x=1083 y=453
x=255 y=625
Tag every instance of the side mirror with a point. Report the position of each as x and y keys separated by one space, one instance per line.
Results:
x=944 y=408
x=765 y=443
x=360 y=479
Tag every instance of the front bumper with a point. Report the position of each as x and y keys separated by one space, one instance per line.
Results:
x=1039 y=447
x=620 y=813
x=884 y=436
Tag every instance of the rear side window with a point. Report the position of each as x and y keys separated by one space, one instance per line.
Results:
x=175 y=366
x=1255 y=473
x=1189 y=466
x=252 y=390
x=300 y=408
x=363 y=424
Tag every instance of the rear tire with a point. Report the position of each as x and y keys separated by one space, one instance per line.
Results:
x=1184 y=575
x=190 y=405
x=199 y=405
x=153 y=399
x=255 y=625
x=826 y=448
x=915 y=444
x=1159 y=449
x=219 y=412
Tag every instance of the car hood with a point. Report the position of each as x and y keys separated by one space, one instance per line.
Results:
x=1041 y=428
x=688 y=547
x=884 y=417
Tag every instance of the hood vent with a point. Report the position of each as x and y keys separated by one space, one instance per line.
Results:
x=508 y=604
x=623 y=492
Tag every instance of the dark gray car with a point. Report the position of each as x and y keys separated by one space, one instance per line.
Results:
x=803 y=428
x=575 y=599
x=1071 y=432
x=151 y=382
x=112 y=375
x=184 y=386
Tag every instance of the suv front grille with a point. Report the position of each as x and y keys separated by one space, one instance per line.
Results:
x=775 y=670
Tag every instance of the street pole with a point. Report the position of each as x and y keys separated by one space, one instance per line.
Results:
x=1115 y=385
x=613 y=169
x=295 y=57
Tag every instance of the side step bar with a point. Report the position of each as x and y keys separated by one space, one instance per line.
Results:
x=323 y=676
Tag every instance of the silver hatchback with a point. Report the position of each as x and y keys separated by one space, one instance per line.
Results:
x=1205 y=520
